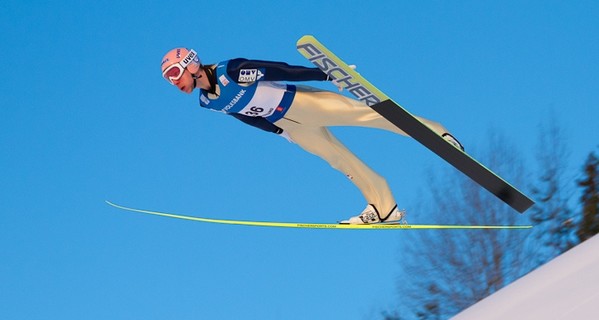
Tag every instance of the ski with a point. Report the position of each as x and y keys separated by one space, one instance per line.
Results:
x=299 y=225
x=363 y=90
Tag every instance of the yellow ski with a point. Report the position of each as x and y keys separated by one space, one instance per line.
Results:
x=299 y=225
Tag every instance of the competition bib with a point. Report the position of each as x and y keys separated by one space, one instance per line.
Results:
x=266 y=99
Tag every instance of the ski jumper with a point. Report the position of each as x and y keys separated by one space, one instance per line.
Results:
x=246 y=89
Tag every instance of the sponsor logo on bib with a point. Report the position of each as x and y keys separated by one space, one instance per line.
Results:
x=223 y=80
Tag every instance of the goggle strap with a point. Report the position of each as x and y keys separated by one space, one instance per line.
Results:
x=191 y=55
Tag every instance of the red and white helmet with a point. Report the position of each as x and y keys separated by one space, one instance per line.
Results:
x=176 y=61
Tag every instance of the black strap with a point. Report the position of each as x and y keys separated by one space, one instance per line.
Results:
x=211 y=78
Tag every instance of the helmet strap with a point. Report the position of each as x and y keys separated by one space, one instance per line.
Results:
x=195 y=78
x=211 y=78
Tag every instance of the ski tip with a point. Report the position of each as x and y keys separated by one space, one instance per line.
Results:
x=114 y=205
x=306 y=39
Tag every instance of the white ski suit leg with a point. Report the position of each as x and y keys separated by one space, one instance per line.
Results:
x=313 y=107
x=320 y=141
x=313 y=110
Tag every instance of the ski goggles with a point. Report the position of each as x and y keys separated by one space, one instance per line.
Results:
x=175 y=71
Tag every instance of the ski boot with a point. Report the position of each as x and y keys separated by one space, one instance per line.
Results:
x=371 y=215
x=451 y=139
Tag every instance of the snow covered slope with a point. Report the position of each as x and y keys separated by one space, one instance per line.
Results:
x=565 y=288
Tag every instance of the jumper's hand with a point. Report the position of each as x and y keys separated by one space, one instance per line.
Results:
x=337 y=84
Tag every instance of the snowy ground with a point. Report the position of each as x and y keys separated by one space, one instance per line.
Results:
x=565 y=288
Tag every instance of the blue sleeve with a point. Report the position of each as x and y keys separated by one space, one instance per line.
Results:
x=244 y=70
x=258 y=122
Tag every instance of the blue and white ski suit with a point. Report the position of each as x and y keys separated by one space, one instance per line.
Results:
x=250 y=91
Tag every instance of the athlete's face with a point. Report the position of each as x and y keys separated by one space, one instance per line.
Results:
x=185 y=83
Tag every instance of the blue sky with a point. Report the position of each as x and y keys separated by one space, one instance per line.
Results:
x=86 y=117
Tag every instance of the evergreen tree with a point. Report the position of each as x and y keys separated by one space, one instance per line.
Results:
x=554 y=228
x=589 y=224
